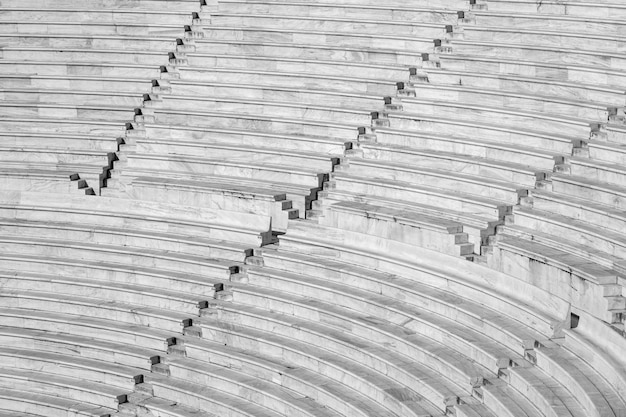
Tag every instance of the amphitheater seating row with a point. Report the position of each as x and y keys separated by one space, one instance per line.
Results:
x=368 y=307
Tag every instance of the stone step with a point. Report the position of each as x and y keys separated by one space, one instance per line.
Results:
x=328 y=23
x=89 y=393
x=138 y=56
x=326 y=37
x=195 y=396
x=78 y=347
x=566 y=72
x=219 y=90
x=541 y=53
x=287 y=142
x=388 y=140
x=418 y=13
x=395 y=225
x=572 y=7
x=89 y=370
x=11 y=13
x=293 y=80
x=413 y=172
x=601 y=95
x=500 y=98
x=13 y=402
x=498 y=165
x=402 y=260
x=357 y=375
x=286 y=109
x=441 y=125
x=538 y=19
x=340 y=53
x=235 y=194
x=423 y=194
x=114 y=312
x=477 y=228
x=126 y=293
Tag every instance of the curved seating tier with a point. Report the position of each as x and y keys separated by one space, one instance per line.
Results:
x=288 y=195
x=63 y=64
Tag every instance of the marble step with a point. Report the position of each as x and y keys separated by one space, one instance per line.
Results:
x=542 y=53
x=478 y=228
x=91 y=370
x=14 y=402
x=587 y=342
x=331 y=112
x=545 y=70
x=76 y=83
x=139 y=5
x=52 y=180
x=81 y=391
x=423 y=194
x=361 y=40
x=137 y=56
x=249 y=154
x=581 y=187
x=152 y=217
x=410 y=172
x=358 y=370
x=594 y=94
x=60 y=141
x=312 y=383
x=578 y=232
x=418 y=13
x=545 y=37
x=298 y=65
x=389 y=140
x=331 y=147
x=252 y=170
x=343 y=83
x=534 y=102
x=267 y=123
x=199 y=397
x=444 y=4
x=405 y=227
x=12 y=13
x=328 y=52
x=96 y=307
x=498 y=166
x=101 y=37
x=607 y=151
x=102 y=70
x=221 y=90
x=130 y=293
x=122 y=255
x=590 y=212
x=558 y=270
x=402 y=260
x=428 y=325
x=552 y=22
x=600 y=171
x=59 y=96
x=78 y=347
x=447 y=363
x=592 y=391
x=492 y=131
x=594 y=9
x=215 y=192
x=328 y=23
x=268 y=394
x=164 y=408
x=99 y=329
x=514 y=118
